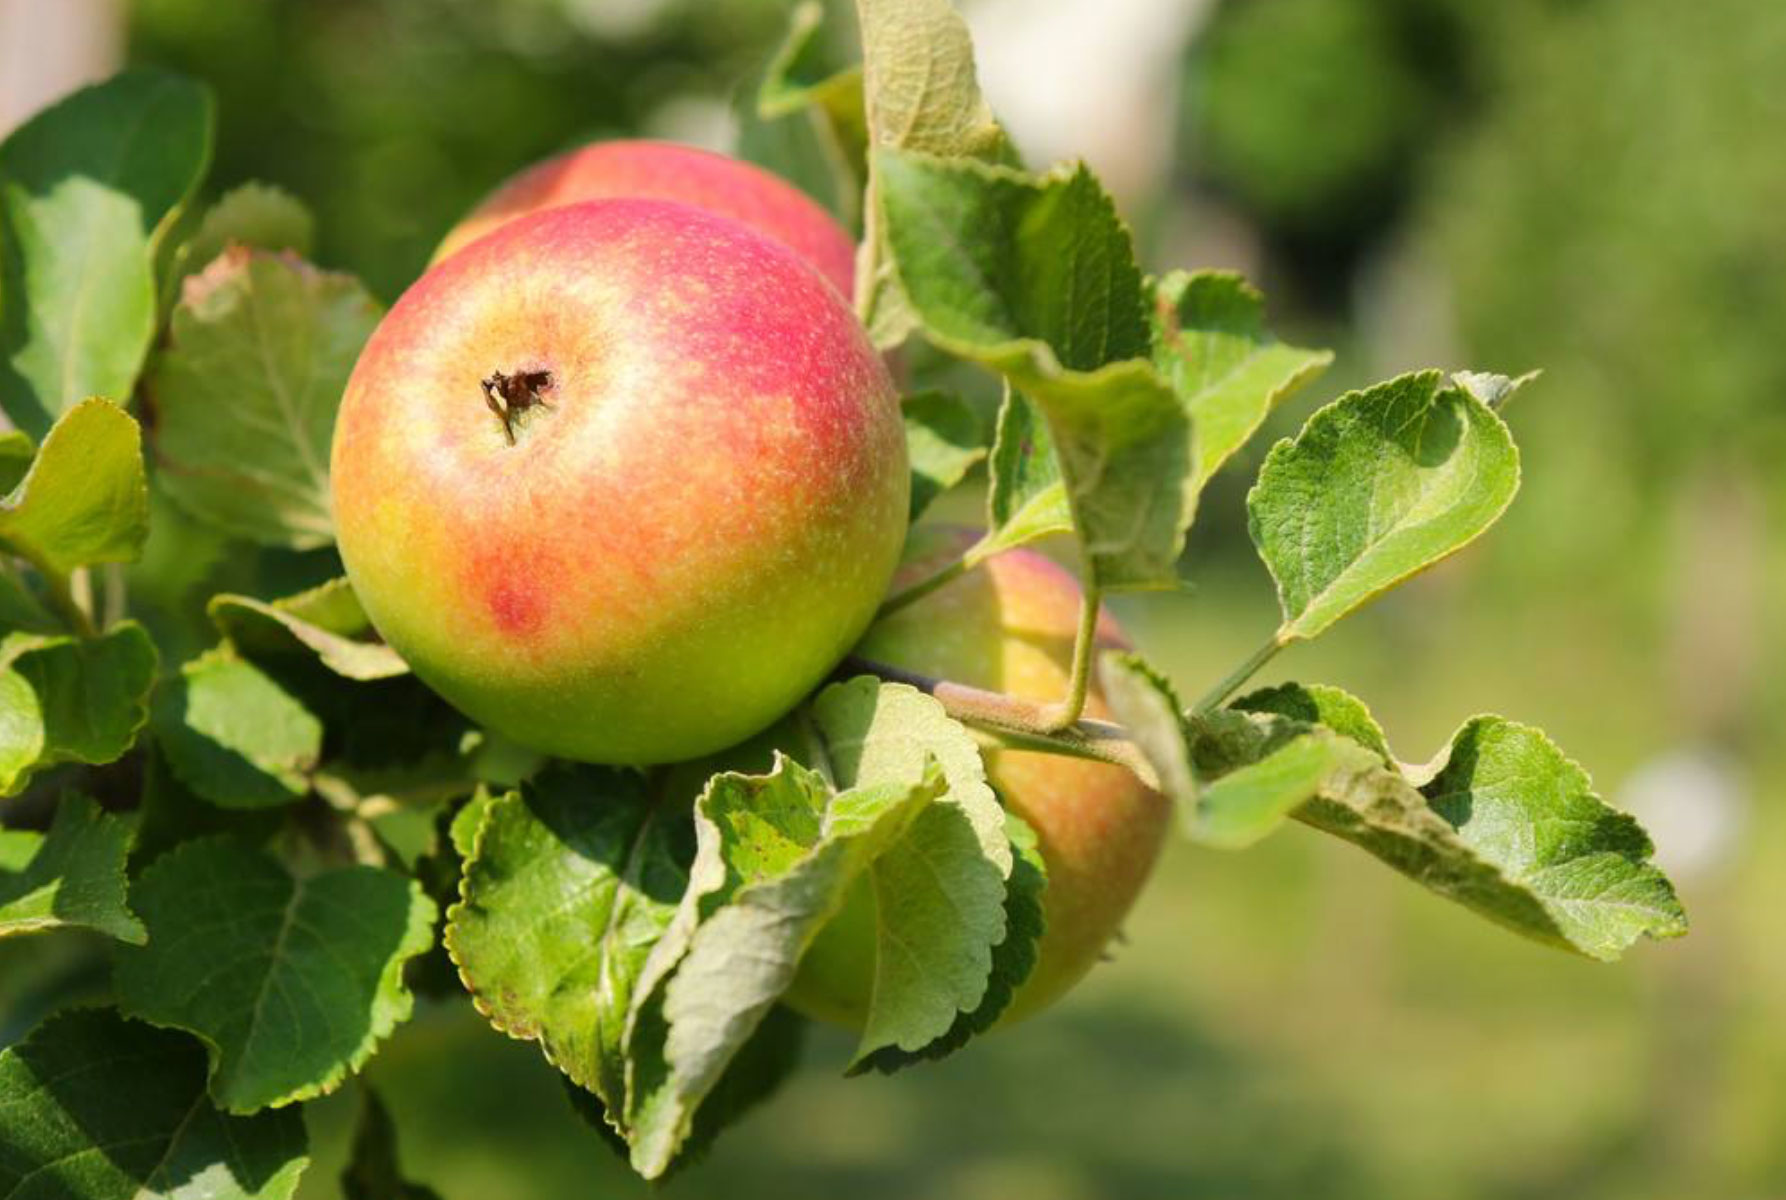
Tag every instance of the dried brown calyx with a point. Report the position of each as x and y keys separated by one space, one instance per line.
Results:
x=509 y=396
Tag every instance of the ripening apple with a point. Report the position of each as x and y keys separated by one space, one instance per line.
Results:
x=621 y=480
x=1008 y=626
x=667 y=171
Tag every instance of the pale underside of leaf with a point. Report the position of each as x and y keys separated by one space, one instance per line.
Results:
x=920 y=91
x=326 y=621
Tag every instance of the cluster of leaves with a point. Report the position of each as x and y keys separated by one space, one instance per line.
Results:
x=284 y=836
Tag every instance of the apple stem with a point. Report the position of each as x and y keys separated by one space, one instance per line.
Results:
x=1062 y=715
x=1020 y=723
x=923 y=588
x=1235 y=678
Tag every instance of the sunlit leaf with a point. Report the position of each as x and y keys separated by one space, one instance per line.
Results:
x=86 y=188
x=247 y=390
x=569 y=885
x=1211 y=344
x=1378 y=486
x=75 y=877
x=66 y=699
x=85 y=499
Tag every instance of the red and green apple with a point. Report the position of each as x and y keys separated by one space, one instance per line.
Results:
x=653 y=170
x=622 y=480
x=1009 y=626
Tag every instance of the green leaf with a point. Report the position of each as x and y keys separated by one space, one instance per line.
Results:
x=1321 y=704
x=468 y=823
x=372 y=1171
x=1032 y=274
x=1502 y=823
x=1378 y=486
x=1210 y=343
x=326 y=621
x=20 y=607
x=943 y=441
x=920 y=84
x=1026 y=500
x=1249 y=802
x=569 y=885
x=17 y=848
x=939 y=891
x=1012 y=959
x=16 y=452
x=85 y=499
x=775 y=858
x=1034 y=277
x=75 y=877
x=234 y=735
x=1144 y=703
x=920 y=92
x=290 y=983
x=805 y=79
x=247 y=390
x=1519 y=803
x=86 y=187
x=65 y=699
x=1233 y=780
x=254 y=214
x=765 y=1062
x=95 y=1107
x=172 y=814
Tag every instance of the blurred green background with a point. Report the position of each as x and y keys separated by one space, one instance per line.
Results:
x=1594 y=187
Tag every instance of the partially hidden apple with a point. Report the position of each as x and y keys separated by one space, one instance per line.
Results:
x=653 y=170
x=1008 y=626
x=622 y=480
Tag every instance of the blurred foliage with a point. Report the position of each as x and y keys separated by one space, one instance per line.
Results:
x=1599 y=179
x=390 y=119
x=1314 y=115
x=1617 y=217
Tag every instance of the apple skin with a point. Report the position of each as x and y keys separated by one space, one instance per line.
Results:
x=692 y=526
x=651 y=170
x=1009 y=626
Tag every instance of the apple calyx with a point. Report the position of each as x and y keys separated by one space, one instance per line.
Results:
x=509 y=396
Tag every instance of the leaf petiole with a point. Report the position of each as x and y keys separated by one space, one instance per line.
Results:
x=1023 y=724
x=911 y=595
x=1245 y=671
x=1068 y=711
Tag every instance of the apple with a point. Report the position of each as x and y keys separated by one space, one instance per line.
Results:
x=622 y=480
x=667 y=171
x=1008 y=625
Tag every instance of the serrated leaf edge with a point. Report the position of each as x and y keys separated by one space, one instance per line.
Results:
x=417 y=939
